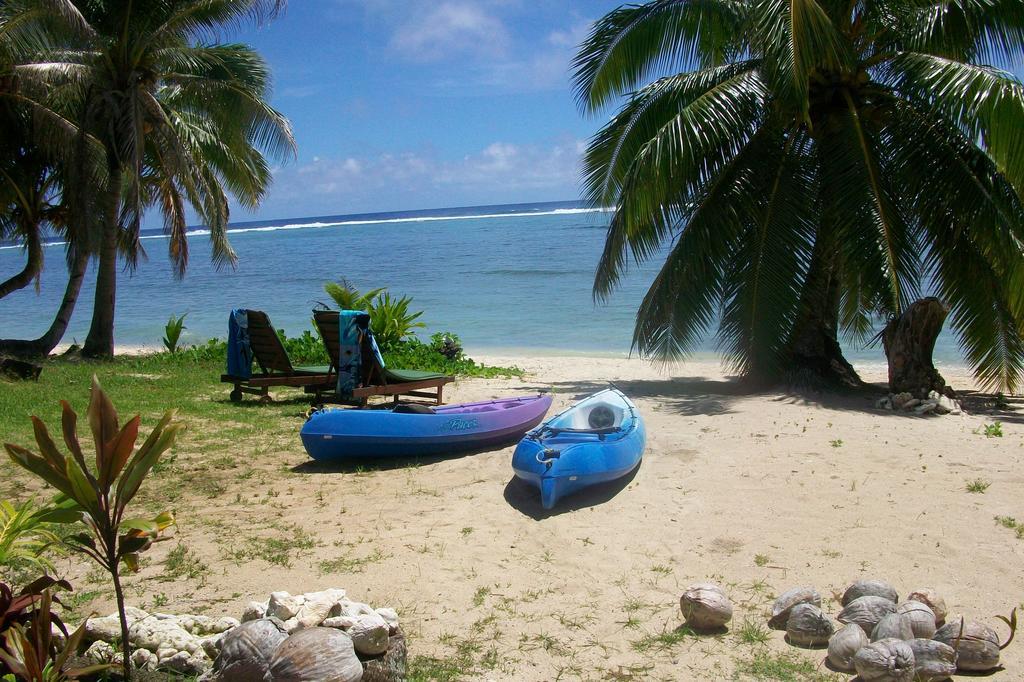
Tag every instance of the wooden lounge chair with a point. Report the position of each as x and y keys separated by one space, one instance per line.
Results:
x=375 y=379
x=276 y=367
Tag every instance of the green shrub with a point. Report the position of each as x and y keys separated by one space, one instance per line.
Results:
x=172 y=332
x=306 y=349
x=390 y=318
x=98 y=496
x=414 y=354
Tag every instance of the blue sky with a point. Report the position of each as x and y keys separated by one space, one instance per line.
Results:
x=404 y=104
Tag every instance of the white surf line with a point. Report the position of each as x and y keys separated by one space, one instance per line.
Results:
x=346 y=223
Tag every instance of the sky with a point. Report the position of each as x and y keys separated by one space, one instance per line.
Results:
x=408 y=104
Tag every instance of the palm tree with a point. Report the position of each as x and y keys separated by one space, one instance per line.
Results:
x=36 y=155
x=805 y=165
x=179 y=120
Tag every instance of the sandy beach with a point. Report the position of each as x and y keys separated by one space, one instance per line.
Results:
x=758 y=492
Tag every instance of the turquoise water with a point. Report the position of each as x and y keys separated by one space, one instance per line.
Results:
x=505 y=278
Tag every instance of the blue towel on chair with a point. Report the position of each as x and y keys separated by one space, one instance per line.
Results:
x=239 y=350
x=351 y=326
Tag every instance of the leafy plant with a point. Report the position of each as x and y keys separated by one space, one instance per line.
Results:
x=391 y=320
x=306 y=349
x=99 y=496
x=30 y=652
x=25 y=534
x=978 y=485
x=14 y=609
x=172 y=332
x=993 y=430
x=349 y=298
x=447 y=344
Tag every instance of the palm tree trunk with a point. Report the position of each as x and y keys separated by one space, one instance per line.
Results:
x=45 y=344
x=33 y=264
x=814 y=355
x=909 y=341
x=100 y=341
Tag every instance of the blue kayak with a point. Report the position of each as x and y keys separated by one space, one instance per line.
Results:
x=416 y=430
x=599 y=439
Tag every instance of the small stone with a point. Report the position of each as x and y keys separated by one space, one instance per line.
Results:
x=211 y=645
x=884 y=403
x=370 y=634
x=339 y=622
x=223 y=624
x=103 y=652
x=106 y=629
x=900 y=400
x=186 y=664
x=292 y=625
x=133 y=614
x=925 y=408
x=144 y=659
x=283 y=605
x=154 y=633
x=911 y=404
x=391 y=616
x=315 y=609
x=164 y=654
x=254 y=611
x=350 y=608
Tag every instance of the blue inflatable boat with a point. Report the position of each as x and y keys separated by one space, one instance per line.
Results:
x=416 y=430
x=599 y=439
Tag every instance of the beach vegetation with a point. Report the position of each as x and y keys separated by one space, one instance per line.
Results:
x=753 y=632
x=1012 y=524
x=775 y=667
x=390 y=317
x=29 y=649
x=98 y=496
x=804 y=170
x=26 y=537
x=993 y=430
x=978 y=485
x=172 y=332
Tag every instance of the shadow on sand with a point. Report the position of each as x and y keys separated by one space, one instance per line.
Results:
x=357 y=465
x=525 y=498
x=692 y=396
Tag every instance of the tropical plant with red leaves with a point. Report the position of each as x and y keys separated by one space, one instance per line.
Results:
x=98 y=496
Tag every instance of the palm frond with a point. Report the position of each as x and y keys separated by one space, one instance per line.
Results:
x=614 y=147
x=985 y=103
x=762 y=283
x=672 y=167
x=634 y=42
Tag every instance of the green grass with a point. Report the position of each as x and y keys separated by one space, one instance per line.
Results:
x=1012 y=524
x=753 y=632
x=663 y=640
x=181 y=563
x=765 y=667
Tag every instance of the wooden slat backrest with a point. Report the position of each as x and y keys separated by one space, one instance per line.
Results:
x=266 y=346
x=326 y=322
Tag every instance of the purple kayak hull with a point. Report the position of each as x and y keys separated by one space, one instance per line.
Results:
x=350 y=434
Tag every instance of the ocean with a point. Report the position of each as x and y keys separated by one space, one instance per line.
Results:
x=507 y=279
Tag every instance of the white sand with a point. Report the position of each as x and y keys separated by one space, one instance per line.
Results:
x=822 y=492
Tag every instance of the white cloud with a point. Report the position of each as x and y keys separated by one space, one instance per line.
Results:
x=501 y=172
x=449 y=29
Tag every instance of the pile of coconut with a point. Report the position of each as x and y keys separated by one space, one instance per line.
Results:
x=882 y=639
